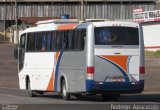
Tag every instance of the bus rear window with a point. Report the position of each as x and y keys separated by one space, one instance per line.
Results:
x=116 y=36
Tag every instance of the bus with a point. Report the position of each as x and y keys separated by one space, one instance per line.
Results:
x=70 y=57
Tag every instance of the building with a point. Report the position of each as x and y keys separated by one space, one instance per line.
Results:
x=150 y=21
x=92 y=9
x=108 y=9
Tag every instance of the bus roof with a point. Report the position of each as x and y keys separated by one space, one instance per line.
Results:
x=115 y=23
x=59 y=21
x=50 y=25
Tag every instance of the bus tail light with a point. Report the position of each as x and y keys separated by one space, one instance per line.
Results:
x=142 y=72
x=90 y=72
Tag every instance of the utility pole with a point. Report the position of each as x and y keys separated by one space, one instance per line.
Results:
x=5 y=17
x=17 y=34
x=16 y=22
x=82 y=10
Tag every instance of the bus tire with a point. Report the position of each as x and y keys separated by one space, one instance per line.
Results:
x=65 y=95
x=110 y=97
x=30 y=92
x=78 y=96
x=40 y=92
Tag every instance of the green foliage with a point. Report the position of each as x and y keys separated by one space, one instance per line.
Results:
x=152 y=54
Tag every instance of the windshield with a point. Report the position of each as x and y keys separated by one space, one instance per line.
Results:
x=116 y=36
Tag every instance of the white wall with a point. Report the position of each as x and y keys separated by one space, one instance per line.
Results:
x=15 y=36
x=151 y=31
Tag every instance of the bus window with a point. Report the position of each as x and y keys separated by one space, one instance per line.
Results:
x=31 y=42
x=82 y=34
x=38 y=41
x=53 y=41
x=76 y=39
x=70 y=40
x=22 y=41
x=79 y=38
x=49 y=40
x=58 y=40
x=116 y=36
x=43 y=42
x=64 y=40
x=22 y=51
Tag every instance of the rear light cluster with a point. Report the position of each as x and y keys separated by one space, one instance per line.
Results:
x=90 y=72
x=142 y=70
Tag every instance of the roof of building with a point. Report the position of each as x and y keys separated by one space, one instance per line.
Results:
x=79 y=0
x=33 y=20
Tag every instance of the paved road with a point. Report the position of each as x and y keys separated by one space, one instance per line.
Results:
x=10 y=93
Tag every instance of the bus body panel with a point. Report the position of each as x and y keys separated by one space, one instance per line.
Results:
x=72 y=67
x=39 y=67
x=40 y=73
x=112 y=66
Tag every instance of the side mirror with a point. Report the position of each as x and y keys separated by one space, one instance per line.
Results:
x=16 y=53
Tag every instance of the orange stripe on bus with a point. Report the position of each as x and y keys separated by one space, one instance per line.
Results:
x=67 y=26
x=50 y=85
x=57 y=55
x=51 y=82
x=119 y=60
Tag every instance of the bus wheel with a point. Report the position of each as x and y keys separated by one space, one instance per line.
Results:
x=31 y=93
x=65 y=95
x=40 y=92
x=78 y=96
x=110 y=97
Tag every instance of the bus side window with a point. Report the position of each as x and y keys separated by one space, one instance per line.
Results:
x=22 y=41
x=70 y=40
x=62 y=40
x=53 y=43
x=44 y=42
x=38 y=41
x=58 y=40
x=49 y=41
x=83 y=35
x=31 y=42
x=22 y=51
x=79 y=38
x=76 y=39
x=65 y=40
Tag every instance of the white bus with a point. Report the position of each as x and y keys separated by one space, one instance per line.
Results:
x=72 y=57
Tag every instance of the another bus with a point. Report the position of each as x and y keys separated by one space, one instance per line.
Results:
x=71 y=57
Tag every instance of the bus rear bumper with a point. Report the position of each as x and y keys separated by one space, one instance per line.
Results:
x=114 y=87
